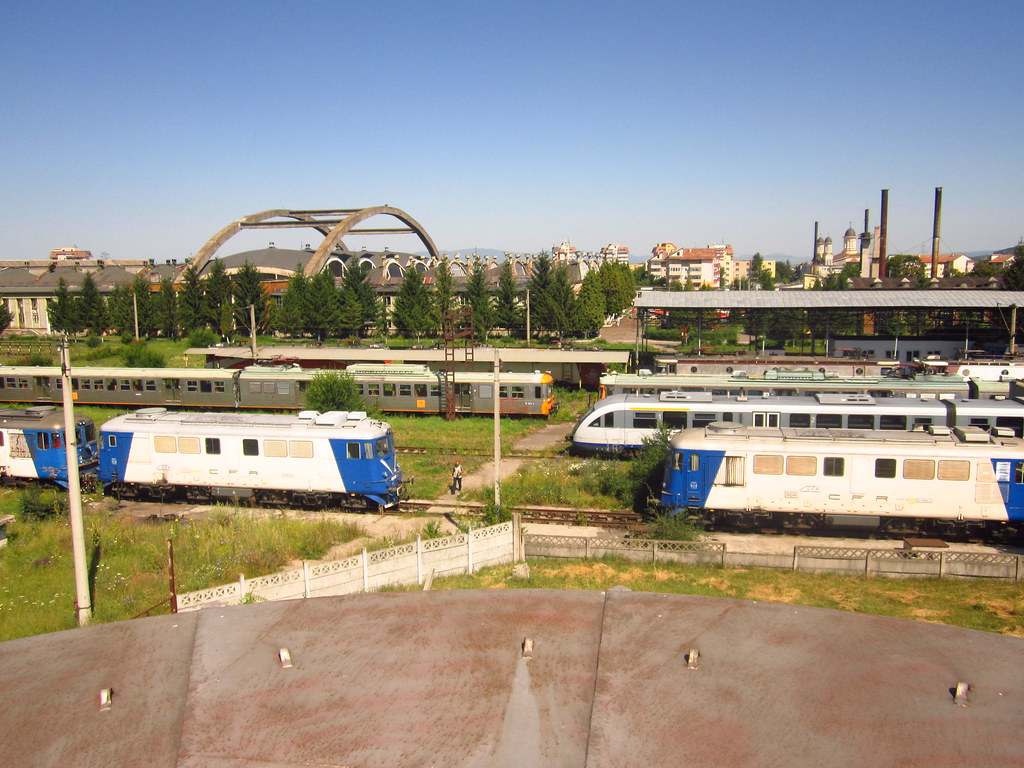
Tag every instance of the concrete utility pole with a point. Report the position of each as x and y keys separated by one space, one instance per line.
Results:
x=135 y=309
x=83 y=601
x=527 y=317
x=252 y=326
x=497 y=429
x=936 y=226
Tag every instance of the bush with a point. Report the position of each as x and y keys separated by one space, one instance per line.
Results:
x=139 y=355
x=334 y=391
x=671 y=528
x=202 y=337
x=92 y=341
x=37 y=504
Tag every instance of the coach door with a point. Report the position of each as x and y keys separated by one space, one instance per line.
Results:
x=172 y=391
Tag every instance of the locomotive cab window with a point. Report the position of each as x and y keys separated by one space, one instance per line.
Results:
x=1018 y=472
x=383 y=449
x=885 y=468
x=352 y=450
x=112 y=441
x=42 y=441
x=833 y=466
x=250 y=446
x=213 y=445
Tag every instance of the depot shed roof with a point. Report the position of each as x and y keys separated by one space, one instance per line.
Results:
x=441 y=678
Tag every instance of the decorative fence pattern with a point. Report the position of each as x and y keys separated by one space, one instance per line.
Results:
x=849 y=560
x=405 y=564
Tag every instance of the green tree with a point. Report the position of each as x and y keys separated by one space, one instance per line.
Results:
x=89 y=307
x=507 y=313
x=412 y=307
x=144 y=306
x=355 y=283
x=190 y=301
x=443 y=299
x=905 y=265
x=6 y=316
x=479 y=300
x=986 y=268
x=165 y=309
x=334 y=391
x=588 y=308
x=62 y=310
x=291 y=316
x=1013 y=274
x=248 y=292
x=120 y=315
x=323 y=317
x=618 y=286
x=543 y=312
x=216 y=296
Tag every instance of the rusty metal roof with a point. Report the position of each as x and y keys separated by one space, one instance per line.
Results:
x=440 y=678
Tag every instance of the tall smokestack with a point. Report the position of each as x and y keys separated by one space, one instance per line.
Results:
x=814 y=245
x=882 y=233
x=865 y=247
x=936 y=225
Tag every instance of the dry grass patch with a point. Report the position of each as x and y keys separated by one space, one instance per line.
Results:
x=773 y=593
x=927 y=614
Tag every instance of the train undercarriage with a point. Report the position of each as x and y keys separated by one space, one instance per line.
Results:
x=260 y=497
x=761 y=521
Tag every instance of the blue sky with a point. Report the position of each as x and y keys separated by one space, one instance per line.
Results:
x=139 y=130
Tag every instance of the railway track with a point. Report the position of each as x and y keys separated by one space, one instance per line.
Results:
x=489 y=455
x=599 y=518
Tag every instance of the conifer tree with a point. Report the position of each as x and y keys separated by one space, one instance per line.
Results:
x=443 y=299
x=507 y=313
x=89 y=308
x=291 y=316
x=412 y=308
x=248 y=292
x=217 y=295
x=62 y=310
x=166 y=309
x=190 y=300
x=479 y=299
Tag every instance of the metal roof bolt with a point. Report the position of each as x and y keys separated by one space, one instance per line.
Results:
x=106 y=697
x=960 y=695
x=691 y=658
x=285 y=657
x=528 y=648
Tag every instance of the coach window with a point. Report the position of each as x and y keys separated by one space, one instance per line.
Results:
x=609 y=419
x=1013 y=422
x=284 y=387
x=800 y=420
x=150 y=385
x=405 y=390
x=674 y=419
x=389 y=389
x=766 y=419
x=373 y=390
x=518 y=392
x=538 y=392
x=205 y=386
x=829 y=420
x=125 y=385
x=421 y=390
x=250 y=446
x=893 y=421
x=352 y=450
x=645 y=420
x=213 y=445
x=885 y=468
x=255 y=387
x=136 y=385
x=703 y=419
x=833 y=466
x=861 y=421
x=435 y=390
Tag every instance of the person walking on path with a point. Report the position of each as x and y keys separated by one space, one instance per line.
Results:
x=457 y=477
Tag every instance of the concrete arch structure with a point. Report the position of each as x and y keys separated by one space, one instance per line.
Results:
x=333 y=224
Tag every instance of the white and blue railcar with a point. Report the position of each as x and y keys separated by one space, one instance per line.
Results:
x=33 y=445
x=334 y=459
x=619 y=424
x=945 y=481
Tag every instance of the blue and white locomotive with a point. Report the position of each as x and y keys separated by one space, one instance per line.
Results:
x=333 y=459
x=33 y=445
x=958 y=481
